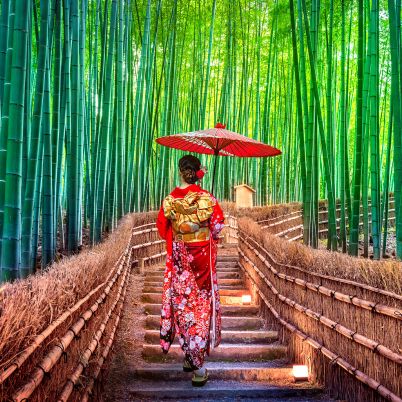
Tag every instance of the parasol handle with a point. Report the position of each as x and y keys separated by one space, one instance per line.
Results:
x=216 y=152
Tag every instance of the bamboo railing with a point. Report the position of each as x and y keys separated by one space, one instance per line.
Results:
x=348 y=333
x=290 y=226
x=64 y=361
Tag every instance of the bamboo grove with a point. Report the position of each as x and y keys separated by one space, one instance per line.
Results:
x=87 y=85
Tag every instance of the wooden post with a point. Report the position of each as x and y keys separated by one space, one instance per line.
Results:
x=141 y=265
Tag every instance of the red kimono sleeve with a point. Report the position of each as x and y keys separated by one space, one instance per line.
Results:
x=216 y=222
x=164 y=227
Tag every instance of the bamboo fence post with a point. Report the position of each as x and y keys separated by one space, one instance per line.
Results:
x=141 y=265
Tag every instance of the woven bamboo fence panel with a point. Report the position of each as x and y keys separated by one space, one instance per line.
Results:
x=348 y=333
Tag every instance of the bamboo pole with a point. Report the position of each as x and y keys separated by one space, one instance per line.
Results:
x=93 y=345
x=39 y=339
x=101 y=360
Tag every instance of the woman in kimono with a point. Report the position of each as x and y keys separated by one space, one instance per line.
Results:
x=190 y=220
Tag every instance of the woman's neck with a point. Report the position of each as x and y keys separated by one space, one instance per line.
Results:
x=184 y=185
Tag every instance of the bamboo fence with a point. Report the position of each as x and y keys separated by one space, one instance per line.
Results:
x=64 y=360
x=348 y=333
x=290 y=225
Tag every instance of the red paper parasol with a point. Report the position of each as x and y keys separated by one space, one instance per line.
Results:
x=218 y=141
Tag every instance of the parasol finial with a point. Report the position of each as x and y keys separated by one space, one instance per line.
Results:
x=220 y=125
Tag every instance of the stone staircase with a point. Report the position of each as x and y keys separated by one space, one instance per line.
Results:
x=249 y=364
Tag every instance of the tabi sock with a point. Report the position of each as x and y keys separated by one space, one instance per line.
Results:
x=200 y=372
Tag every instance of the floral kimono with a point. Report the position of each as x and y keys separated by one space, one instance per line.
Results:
x=190 y=220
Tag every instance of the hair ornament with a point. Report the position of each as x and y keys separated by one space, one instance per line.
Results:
x=201 y=172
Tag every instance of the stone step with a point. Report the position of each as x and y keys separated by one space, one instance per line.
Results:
x=227 y=246
x=272 y=370
x=224 y=390
x=234 y=323
x=157 y=298
x=154 y=276
x=152 y=289
x=219 y=268
x=234 y=287
x=223 y=284
x=227 y=264
x=235 y=310
x=222 y=291
x=228 y=336
x=229 y=275
x=227 y=259
x=230 y=281
x=224 y=352
x=233 y=252
x=148 y=283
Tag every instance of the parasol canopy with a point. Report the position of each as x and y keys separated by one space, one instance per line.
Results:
x=218 y=141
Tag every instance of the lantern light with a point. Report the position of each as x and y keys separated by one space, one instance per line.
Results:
x=246 y=299
x=300 y=373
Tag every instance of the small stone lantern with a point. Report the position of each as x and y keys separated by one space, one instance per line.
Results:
x=244 y=196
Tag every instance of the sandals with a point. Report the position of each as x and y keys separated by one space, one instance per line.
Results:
x=199 y=381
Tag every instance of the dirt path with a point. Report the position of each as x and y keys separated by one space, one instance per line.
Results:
x=126 y=352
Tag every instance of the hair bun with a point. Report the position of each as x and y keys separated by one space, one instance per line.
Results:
x=189 y=165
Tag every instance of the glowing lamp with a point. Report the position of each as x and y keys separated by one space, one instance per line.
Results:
x=246 y=299
x=300 y=373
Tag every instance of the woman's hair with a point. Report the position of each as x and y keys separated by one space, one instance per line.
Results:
x=188 y=165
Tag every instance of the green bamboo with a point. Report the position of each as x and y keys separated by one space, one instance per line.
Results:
x=354 y=222
x=11 y=244
x=105 y=128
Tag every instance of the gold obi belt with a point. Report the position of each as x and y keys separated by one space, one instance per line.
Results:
x=189 y=216
x=201 y=234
